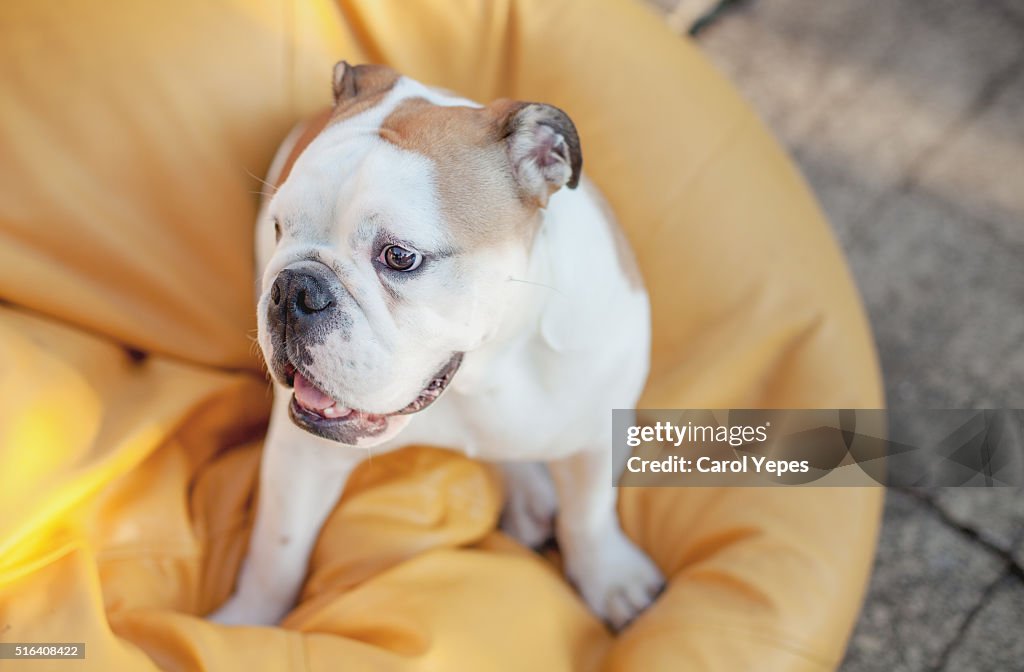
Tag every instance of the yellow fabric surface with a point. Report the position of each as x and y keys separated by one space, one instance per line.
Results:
x=130 y=133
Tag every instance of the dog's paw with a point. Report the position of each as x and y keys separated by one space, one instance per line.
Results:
x=237 y=612
x=530 y=505
x=616 y=579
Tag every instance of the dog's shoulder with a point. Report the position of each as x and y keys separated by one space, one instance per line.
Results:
x=598 y=295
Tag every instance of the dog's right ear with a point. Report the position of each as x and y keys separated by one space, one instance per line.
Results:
x=358 y=80
x=543 y=147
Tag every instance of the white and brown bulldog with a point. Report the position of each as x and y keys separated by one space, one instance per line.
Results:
x=426 y=279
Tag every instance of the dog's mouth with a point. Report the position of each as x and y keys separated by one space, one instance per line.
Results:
x=317 y=412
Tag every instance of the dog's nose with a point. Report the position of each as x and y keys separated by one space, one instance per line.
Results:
x=303 y=292
x=300 y=296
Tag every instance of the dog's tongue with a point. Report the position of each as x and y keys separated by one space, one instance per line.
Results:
x=310 y=396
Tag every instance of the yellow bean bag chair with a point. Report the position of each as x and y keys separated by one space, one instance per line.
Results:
x=132 y=403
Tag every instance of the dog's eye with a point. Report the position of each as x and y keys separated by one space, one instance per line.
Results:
x=399 y=258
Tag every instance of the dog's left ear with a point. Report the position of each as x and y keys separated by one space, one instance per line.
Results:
x=543 y=148
x=350 y=81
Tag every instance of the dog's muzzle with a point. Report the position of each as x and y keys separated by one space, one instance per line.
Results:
x=305 y=307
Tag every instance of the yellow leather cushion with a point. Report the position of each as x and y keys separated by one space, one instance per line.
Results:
x=131 y=133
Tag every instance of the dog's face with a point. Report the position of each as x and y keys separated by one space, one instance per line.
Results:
x=392 y=245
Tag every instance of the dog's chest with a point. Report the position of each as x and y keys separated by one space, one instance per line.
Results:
x=529 y=407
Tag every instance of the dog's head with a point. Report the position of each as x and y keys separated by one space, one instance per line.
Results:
x=392 y=243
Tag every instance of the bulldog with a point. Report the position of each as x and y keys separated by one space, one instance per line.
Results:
x=425 y=278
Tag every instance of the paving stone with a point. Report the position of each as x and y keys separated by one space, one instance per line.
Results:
x=982 y=165
x=791 y=58
x=944 y=296
x=993 y=641
x=927 y=578
x=860 y=90
x=996 y=514
x=919 y=78
x=1014 y=10
x=842 y=194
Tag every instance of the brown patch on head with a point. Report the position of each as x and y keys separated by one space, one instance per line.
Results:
x=356 y=89
x=478 y=191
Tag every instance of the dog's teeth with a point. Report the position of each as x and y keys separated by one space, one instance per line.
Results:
x=336 y=411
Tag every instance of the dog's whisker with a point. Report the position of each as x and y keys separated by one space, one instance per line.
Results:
x=536 y=284
x=273 y=187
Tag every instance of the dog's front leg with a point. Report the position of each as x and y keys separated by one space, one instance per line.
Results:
x=301 y=479
x=614 y=577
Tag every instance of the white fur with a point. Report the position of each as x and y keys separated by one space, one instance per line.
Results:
x=567 y=343
x=353 y=184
